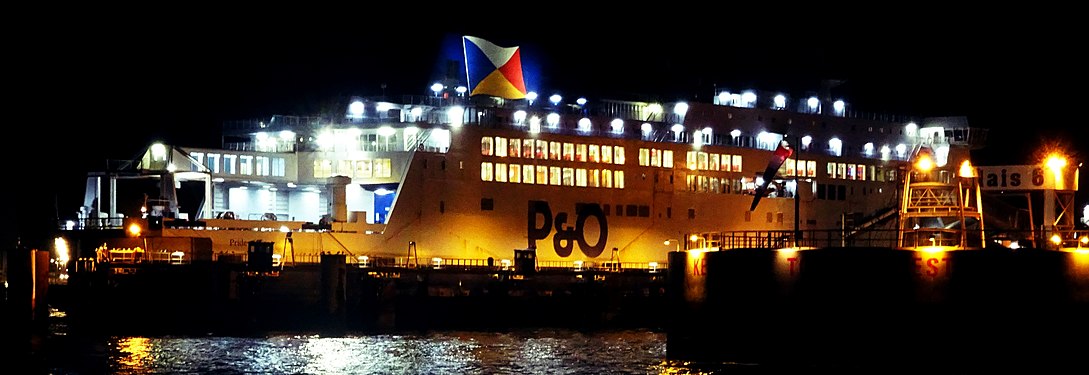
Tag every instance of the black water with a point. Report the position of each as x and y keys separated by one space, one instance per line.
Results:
x=528 y=351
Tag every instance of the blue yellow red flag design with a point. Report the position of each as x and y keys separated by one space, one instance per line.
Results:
x=493 y=70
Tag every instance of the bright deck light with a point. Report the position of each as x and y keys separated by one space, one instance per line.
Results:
x=680 y=109
x=618 y=125
x=585 y=124
x=924 y=164
x=555 y=99
x=780 y=101
x=134 y=229
x=966 y=169
x=355 y=109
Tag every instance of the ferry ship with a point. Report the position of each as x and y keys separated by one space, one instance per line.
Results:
x=459 y=177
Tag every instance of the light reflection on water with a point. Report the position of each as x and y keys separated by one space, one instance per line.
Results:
x=553 y=351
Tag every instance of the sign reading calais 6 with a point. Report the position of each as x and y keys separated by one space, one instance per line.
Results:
x=566 y=236
x=1027 y=177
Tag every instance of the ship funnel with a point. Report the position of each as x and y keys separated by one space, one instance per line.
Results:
x=338 y=197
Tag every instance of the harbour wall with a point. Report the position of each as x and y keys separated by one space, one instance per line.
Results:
x=955 y=310
x=226 y=297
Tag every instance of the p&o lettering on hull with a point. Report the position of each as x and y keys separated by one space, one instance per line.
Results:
x=566 y=236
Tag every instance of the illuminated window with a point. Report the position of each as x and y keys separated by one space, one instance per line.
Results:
x=279 y=167
x=607 y=154
x=667 y=159
x=500 y=146
x=655 y=157
x=542 y=150
x=527 y=149
x=486 y=172
x=542 y=175
x=382 y=168
x=580 y=152
x=618 y=179
x=569 y=151
x=712 y=162
x=595 y=178
x=363 y=169
x=701 y=161
x=568 y=177
x=790 y=166
x=594 y=153
x=606 y=178
x=832 y=170
x=344 y=168
x=580 y=177
x=515 y=174
x=515 y=148
x=850 y=171
x=861 y=172
x=527 y=174
x=644 y=157
x=229 y=161
x=212 y=162
x=714 y=185
x=618 y=155
x=841 y=170
x=500 y=172
x=690 y=182
x=198 y=157
x=736 y=163
x=245 y=165
x=811 y=168
x=690 y=159
x=486 y=146
x=262 y=166
x=554 y=150
x=323 y=168
x=554 y=175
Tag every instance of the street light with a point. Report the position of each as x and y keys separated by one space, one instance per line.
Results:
x=675 y=242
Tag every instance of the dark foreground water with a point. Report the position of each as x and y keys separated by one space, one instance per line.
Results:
x=536 y=351
x=527 y=352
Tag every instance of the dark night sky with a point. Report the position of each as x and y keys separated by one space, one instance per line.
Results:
x=107 y=87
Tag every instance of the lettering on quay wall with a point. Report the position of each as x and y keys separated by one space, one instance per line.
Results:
x=566 y=235
x=1014 y=177
x=932 y=266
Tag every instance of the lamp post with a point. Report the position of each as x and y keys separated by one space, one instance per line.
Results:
x=674 y=242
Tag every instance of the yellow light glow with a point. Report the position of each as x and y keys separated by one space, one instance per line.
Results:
x=924 y=164
x=693 y=238
x=1084 y=240
x=966 y=169
x=1055 y=239
x=134 y=229
x=934 y=249
x=1056 y=162
x=135 y=352
x=666 y=242
x=61 y=247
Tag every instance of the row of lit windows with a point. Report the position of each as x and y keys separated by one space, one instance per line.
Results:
x=247 y=165
x=377 y=168
x=807 y=168
x=653 y=157
x=698 y=160
x=548 y=175
x=708 y=184
x=860 y=172
x=539 y=149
